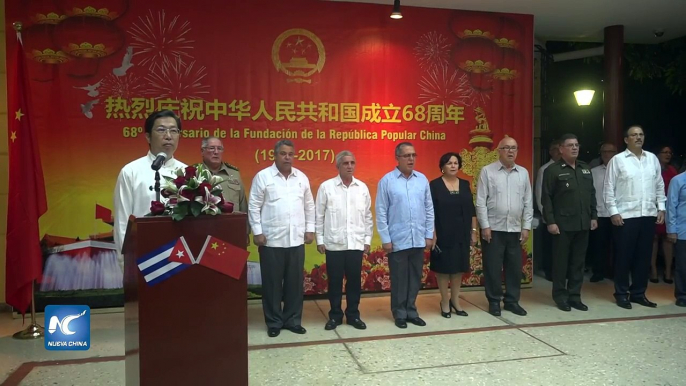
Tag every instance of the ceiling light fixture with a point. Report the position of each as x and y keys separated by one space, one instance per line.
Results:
x=584 y=97
x=396 y=10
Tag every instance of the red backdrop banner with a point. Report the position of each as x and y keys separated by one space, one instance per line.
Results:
x=330 y=76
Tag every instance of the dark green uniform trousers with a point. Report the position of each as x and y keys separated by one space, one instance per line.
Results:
x=569 y=255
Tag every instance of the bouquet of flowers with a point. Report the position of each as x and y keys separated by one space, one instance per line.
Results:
x=194 y=191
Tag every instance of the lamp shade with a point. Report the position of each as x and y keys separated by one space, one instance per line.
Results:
x=584 y=97
x=396 y=14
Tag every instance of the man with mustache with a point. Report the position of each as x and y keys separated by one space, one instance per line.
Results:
x=281 y=215
x=132 y=193
x=405 y=222
x=569 y=208
x=635 y=199
x=343 y=226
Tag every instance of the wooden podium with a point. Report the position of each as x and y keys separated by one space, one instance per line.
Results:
x=192 y=327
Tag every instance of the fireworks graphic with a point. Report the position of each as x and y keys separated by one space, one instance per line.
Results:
x=125 y=87
x=157 y=40
x=443 y=86
x=432 y=50
x=178 y=80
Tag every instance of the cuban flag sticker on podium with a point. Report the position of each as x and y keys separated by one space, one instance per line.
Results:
x=165 y=261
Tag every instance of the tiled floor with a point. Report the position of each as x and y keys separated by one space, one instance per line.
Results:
x=605 y=346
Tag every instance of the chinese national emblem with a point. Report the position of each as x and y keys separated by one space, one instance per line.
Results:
x=298 y=53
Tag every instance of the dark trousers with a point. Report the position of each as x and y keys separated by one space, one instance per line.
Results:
x=600 y=246
x=680 y=269
x=406 y=279
x=634 y=241
x=282 y=279
x=547 y=247
x=338 y=265
x=503 y=253
x=569 y=255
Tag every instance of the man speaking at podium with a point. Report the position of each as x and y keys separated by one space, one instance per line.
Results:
x=133 y=193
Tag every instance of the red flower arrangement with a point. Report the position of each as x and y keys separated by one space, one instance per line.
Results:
x=194 y=191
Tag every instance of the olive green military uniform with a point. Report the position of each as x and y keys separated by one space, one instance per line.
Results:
x=232 y=187
x=569 y=201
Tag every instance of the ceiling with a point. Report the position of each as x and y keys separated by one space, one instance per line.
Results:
x=579 y=20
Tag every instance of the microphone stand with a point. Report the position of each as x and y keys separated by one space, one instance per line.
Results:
x=157 y=181
x=157 y=185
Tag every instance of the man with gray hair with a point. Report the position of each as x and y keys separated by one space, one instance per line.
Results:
x=343 y=226
x=281 y=215
x=405 y=222
x=233 y=190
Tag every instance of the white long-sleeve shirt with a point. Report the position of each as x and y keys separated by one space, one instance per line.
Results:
x=343 y=215
x=280 y=208
x=503 y=199
x=132 y=194
x=598 y=173
x=633 y=186
x=539 y=184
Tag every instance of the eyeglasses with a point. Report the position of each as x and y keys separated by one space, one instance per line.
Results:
x=508 y=148
x=408 y=156
x=173 y=131
x=212 y=149
x=572 y=145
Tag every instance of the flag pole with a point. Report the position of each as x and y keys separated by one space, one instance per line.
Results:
x=34 y=330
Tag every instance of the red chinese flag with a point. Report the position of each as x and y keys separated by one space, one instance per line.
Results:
x=223 y=257
x=26 y=200
x=102 y=213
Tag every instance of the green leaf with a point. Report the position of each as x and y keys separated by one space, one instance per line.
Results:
x=196 y=208
x=178 y=217
x=193 y=183
x=181 y=209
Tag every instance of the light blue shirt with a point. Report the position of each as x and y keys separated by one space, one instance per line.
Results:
x=404 y=210
x=676 y=206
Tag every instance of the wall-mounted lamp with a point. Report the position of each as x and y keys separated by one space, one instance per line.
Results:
x=584 y=97
x=396 y=10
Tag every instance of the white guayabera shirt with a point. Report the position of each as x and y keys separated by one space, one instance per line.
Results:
x=343 y=215
x=132 y=194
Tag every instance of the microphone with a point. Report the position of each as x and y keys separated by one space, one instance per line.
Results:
x=159 y=161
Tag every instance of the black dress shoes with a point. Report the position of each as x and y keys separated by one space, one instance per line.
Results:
x=332 y=324
x=417 y=321
x=515 y=308
x=273 y=332
x=681 y=302
x=357 y=323
x=400 y=323
x=624 y=303
x=577 y=305
x=296 y=329
x=457 y=312
x=643 y=301
x=564 y=306
x=494 y=309
x=443 y=313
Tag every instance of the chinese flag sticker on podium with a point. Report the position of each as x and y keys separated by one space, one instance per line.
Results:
x=223 y=257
